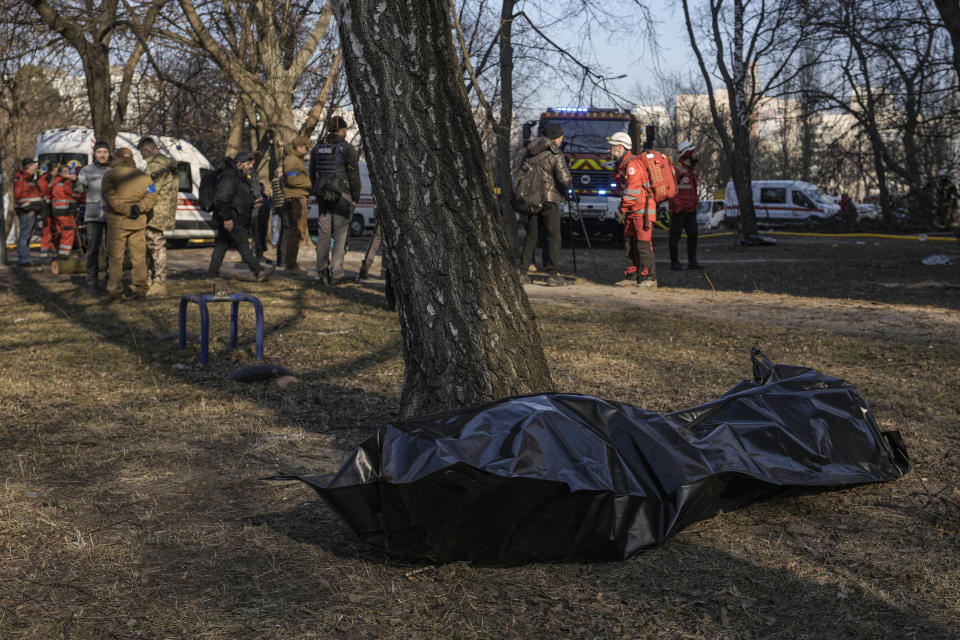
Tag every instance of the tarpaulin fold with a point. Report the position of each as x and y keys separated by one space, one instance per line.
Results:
x=560 y=476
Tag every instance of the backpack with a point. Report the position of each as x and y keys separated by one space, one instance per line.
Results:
x=529 y=191
x=663 y=184
x=208 y=188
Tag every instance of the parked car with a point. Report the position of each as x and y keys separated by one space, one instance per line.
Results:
x=710 y=214
x=783 y=202
x=866 y=211
x=363 y=218
x=74 y=146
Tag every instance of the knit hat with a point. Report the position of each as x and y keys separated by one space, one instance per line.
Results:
x=552 y=131
x=243 y=156
x=101 y=145
x=335 y=123
x=146 y=142
x=300 y=141
x=26 y=162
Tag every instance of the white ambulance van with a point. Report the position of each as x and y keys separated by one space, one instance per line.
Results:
x=782 y=203
x=74 y=146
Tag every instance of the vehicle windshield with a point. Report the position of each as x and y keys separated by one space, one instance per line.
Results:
x=587 y=136
x=818 y=196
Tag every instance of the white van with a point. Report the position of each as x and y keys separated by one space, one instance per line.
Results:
x=363 y=218
x=783 y=202
x=74 y=146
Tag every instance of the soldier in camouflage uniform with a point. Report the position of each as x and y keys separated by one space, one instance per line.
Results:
x=163 y=170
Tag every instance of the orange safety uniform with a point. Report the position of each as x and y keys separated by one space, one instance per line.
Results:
x=640 y=211
x=27 y=194
x=45 y=183
x=62 y=227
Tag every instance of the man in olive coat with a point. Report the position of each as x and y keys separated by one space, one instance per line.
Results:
x=130 y=196
x=296 y=185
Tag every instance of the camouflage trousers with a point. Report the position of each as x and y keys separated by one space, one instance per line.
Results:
x=156 y=257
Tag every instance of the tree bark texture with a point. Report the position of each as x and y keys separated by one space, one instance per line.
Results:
x=505 y=126
x=950 y=13
x=469 y=333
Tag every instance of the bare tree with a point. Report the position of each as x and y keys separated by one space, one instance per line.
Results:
x=469 y=333
x=746 y=39
x=265 y=47
x=91 y=31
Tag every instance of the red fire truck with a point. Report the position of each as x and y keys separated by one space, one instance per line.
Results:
x=594 y=195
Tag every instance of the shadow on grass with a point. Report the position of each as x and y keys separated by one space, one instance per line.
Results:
x=138 y=328
x=699 y=589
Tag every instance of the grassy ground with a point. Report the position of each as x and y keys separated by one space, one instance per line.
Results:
x=130 y=504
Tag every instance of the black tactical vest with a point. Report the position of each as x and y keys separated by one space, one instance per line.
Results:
x=327 y=159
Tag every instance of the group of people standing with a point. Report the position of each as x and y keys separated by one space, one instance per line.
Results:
x=125 y=210
x=334 y=178
x=637 y=210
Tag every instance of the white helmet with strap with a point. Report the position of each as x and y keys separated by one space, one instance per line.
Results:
x=685 y=147
x=622 y=139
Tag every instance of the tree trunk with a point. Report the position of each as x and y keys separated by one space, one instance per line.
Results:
x=950 y=13
x=505 y=126
x=469 y=333
x=96 y=67
x=235 y=136
x=740 y=119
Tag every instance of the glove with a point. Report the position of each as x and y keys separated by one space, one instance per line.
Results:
x=134 y=212
x=621 y=216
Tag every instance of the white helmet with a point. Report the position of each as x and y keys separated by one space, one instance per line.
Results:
x=622 y=139
x=685 y=147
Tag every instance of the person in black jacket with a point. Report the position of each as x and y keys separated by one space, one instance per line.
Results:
x=232 y=209
x=548 y=155
x=335 y=176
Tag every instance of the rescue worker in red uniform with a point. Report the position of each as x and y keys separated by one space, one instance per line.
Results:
x=45 y=182
x=28 y=205
x=683 y=207
x=638 y=211
x=64 y=207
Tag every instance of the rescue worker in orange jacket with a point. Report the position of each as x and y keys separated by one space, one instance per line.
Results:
x=28 y=205
x=638 y=211
x=683 y=207
x=45 y=182
x=64 y=207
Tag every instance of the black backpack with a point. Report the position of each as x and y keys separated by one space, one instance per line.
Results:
x=208 y=187
x=529 y=190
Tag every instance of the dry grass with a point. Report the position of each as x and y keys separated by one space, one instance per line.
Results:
x=130 y=504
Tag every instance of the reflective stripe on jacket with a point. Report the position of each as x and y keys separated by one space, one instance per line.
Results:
x=26 y=192
x=61 y=194
x=632 y=177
